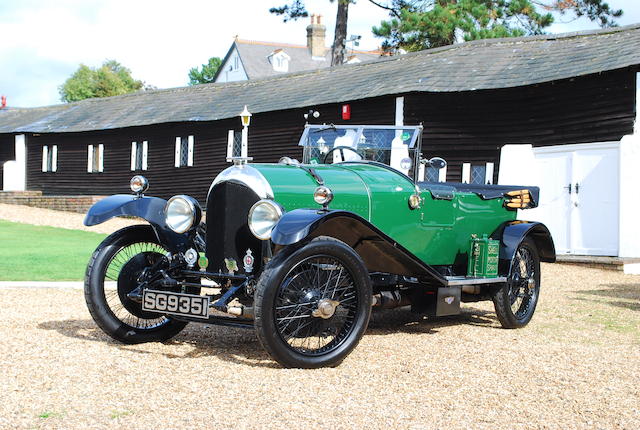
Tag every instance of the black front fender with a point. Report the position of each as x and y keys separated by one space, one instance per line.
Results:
x=379 y=252
x=150 y=209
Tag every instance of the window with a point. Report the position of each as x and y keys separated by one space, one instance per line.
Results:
x=478 y=174
x=279 y=60
x=139 y=155
x=184 y=151
x=50 y=158
x=95 y=156
x=234 y=144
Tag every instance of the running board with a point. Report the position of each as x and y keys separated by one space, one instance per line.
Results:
x=453 y=281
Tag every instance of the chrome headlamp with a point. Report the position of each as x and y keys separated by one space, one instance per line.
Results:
x=263 y=217
x=323 y=195
x=139 y=184
x=182 y=213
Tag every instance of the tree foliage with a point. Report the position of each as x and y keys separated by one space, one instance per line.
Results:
x=206 y=73
x=422 y=24
x=110 y=79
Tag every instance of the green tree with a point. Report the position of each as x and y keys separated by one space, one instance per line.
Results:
x=206 y=73
x=110 y=79
x=422 y=24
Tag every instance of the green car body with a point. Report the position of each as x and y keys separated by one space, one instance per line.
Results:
x=436 y=232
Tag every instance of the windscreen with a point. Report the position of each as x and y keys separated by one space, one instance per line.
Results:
x=393 y=146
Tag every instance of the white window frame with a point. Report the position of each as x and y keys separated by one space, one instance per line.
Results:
x=54 y=158
x=92 y=151
x=178 y=151
x=280 y=61
x=134 y=155
x=488 y=173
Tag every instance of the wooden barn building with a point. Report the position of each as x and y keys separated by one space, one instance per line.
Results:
x=474 y=99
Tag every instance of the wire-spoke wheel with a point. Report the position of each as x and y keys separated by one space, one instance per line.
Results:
x=112 y=274
x=516 y=301
x=313 y=306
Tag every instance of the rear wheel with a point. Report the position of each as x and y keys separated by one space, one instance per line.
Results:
x=112 y=274
x=516 y=301
x=313 y=306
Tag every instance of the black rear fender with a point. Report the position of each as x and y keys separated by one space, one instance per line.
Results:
x=512 y=233
x=151 y=209
x=379 y=252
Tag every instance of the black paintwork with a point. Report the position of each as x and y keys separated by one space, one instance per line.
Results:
x=445 y=191
x=150 y=209
x=512 y=233
x=228 y=234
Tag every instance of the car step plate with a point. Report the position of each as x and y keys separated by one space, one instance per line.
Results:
x=165 y=302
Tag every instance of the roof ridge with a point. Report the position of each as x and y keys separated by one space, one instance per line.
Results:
x=328 y=71
x=276 y=44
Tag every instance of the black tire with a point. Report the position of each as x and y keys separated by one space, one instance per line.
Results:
x=120 y=258
x=516 y=301
x=300 y=281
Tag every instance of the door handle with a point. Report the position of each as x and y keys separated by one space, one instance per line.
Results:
x=568 y=187
x=577 y=188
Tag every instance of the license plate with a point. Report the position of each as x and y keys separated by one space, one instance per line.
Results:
x=188 y=305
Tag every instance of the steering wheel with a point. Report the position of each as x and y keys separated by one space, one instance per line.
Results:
x=341 y=148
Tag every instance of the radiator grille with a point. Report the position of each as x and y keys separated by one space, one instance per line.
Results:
x=228 y=234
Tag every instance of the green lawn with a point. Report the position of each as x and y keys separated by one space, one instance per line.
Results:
x=36 y=253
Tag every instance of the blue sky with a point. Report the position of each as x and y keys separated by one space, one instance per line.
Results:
x=43 y=42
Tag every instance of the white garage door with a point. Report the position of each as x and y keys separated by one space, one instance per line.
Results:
x=579 y=193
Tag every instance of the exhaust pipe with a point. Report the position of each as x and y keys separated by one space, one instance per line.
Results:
x=390 y=300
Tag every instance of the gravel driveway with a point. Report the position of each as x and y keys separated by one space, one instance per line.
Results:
x=576 y=366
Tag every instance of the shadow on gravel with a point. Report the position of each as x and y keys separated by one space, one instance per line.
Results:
x=401 y=320
x=629 y=292
x=235 y=345
x=241 y=346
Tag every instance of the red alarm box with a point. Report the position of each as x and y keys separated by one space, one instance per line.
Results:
x=346 y=112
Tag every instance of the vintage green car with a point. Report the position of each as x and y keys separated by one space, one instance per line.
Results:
x=303 y=252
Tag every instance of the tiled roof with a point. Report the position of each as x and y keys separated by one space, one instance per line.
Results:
x=477 y=65
x=254 y=56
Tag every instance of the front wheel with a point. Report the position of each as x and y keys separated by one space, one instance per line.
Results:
x=112 y=274
x=516 y=301
x=313 y=306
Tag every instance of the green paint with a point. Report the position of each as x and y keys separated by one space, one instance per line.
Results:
x=438 y=232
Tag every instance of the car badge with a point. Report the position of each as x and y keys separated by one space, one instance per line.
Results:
x=203 y=261
x=231 y=264
x=248 y=262
x=449 y=299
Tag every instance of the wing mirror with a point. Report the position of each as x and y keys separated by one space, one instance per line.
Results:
x=435 y=162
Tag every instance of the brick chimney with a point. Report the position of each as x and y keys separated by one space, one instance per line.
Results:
x=315 y=36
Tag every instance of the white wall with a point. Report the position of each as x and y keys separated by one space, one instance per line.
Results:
x=629 y=196
x=629 y=201
x=229 y=71
x=14 y=177
x=517 y=165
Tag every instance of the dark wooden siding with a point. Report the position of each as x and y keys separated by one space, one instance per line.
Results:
x=460 y=127
x=7 y=152
x=271 y=136
x=473 y=126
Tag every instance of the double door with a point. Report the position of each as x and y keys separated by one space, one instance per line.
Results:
x=579 y=197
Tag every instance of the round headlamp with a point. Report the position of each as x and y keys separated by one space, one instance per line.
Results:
x=182 y=213
x=263 y=217
x=139 y=184
x=323 y=195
